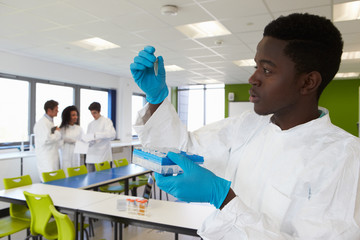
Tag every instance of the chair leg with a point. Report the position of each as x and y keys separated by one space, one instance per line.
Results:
x=154 y=191
x=87 y=234
x=91 y=228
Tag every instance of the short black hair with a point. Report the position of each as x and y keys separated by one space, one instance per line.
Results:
x=51 y=104
x=95 y=106
x=314 y=44
x=66 y=115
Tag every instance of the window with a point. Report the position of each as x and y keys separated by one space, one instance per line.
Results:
x=22 y=102
x=88 y=96
x=138 y=102
x=64 y=95
x=214 y=103
x=14 y=105
x=200 y=105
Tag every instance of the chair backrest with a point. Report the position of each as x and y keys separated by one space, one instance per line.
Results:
x=66 y=229
x=102 y=166
x=54 y=175
x=16 y=210
x=121 y=162
x=40 y=212
x=74 y=171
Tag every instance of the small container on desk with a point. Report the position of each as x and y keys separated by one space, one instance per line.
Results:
x=131 y=206
x=157 y=160
x=142 y=205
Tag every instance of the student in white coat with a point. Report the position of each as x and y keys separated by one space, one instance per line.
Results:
x=283 y=172
x=71 y=132
x=47 y=140
x=100 y=132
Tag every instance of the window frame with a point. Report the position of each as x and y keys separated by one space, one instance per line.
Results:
x=134 y=136
x=199 y=87
x=32 y=102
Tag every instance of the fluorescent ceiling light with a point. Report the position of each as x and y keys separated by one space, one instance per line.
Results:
x=350 y=55
x=203 y=29
x=95 y=44
x=347 y=75
x=346 y=11
x=245 y=63
x=173 y=68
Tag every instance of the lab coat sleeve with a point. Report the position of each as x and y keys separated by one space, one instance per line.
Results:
x=165 y=130
x=329 y=212
x=44 y=135
x=108 y=133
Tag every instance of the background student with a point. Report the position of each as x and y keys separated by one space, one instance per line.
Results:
x=100 y=132
x=71 y=132
x=284 y=172
x=47 y=139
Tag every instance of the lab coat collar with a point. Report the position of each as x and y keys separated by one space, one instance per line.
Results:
x=50 y=118
x=320 y=122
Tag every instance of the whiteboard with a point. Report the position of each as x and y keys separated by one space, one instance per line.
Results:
x=236 y=108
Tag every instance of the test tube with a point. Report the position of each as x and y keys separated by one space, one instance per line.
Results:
x=156 y=65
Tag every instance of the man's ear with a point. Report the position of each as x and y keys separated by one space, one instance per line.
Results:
x=311 y=83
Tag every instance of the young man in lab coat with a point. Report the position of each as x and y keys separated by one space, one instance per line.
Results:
x=283 y=172
x=47 y=140
x=99 y=133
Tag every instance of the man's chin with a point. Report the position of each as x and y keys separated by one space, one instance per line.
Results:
x=261 y=112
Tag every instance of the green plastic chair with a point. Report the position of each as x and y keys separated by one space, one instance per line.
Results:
x=10 y=225
x=66 y=229
x=141 y=180
x=75 y=171
x=109 y=188
x=19 y=218
x=18 y=211
x=102 y=166
x=41 y=223
x=121 y=162
x=54 y=175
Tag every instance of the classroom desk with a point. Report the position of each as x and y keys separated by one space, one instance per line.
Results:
x=21 y=155
x=27 y=154
x=117 y=143
x=177 y=217
x=99 y=178
x=68 y=199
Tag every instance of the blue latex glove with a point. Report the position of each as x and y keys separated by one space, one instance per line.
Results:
x=196 y=184
x=142 y=69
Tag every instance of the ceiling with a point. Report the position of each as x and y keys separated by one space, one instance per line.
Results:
x=46 y=29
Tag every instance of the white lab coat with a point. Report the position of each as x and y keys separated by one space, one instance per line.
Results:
x=70 y=135
x=100 y=149
x=301 y=183
x=46 y=146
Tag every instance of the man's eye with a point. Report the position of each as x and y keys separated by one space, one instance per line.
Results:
x=266 y=71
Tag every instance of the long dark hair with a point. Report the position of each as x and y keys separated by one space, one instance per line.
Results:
x=66 y=116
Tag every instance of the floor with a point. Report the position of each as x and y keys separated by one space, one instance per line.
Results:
x=104 y=231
